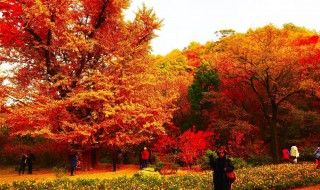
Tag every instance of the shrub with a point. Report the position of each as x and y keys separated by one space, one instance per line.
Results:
x=158 y=166
x=259 y=160
x=238 y=162
x=59 y=171
x=306 y=154
x=205 y=161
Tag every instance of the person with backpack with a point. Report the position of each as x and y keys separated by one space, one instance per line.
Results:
x=286 y=155
x=317 y=156
x=220 y=167
x=294 y=154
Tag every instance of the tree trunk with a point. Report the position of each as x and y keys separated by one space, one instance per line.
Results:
x=90 y=159
x=275 y=143
x=274 y=137
x=86 y=161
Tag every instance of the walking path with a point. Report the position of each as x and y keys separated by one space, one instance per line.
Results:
x=9 y=176
x=316 y=187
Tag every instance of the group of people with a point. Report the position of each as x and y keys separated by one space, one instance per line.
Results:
x=27 y=160
x=290 y=156
x=144 y=158
x=222 y=165
x=293 y=155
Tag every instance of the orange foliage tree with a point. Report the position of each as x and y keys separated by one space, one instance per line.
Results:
x=176 y=69
x=275 y=63
x=81 y=73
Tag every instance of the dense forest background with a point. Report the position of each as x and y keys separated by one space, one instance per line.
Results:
x=83 y=79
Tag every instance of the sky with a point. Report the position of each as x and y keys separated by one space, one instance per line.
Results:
x=185 y=21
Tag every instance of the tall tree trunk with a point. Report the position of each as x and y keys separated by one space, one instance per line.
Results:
x=275 y=143
x=90 y=159
x=274 y=136
x=86 y=161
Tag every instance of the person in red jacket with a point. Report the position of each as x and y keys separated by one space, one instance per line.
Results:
x=145 y=155
x=286 y=155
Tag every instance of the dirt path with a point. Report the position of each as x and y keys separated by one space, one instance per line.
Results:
x=316 y=187
x=47 y=175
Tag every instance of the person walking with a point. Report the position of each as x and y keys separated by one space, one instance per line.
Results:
x=30 y=161
x=317 y=156
x=73 y=163
x=294 y=153
x=23 y=163
x=145 y=156
x=286 y=155
x=220 y=166
x=115 y=157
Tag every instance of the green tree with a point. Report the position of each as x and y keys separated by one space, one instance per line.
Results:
x=205 y=80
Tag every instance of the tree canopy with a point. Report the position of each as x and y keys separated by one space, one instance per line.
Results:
x=275 y=63
x=81 y=73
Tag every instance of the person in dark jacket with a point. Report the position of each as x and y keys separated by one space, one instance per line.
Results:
x=30 y=161
x=220 y=166
x=140 y=159
x=73 y=163
x=115 y=157
x=23 y=163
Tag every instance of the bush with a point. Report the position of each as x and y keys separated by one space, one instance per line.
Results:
x=205 y=161
x=150 y=172
x=306 y=154
x=158 y=166
x=59 y=171
x=259 y=160
x=175 y=166
x=238 y=162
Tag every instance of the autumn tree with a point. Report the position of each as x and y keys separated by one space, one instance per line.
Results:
x=82 y=73
x=275 y=64
x=176 y=69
